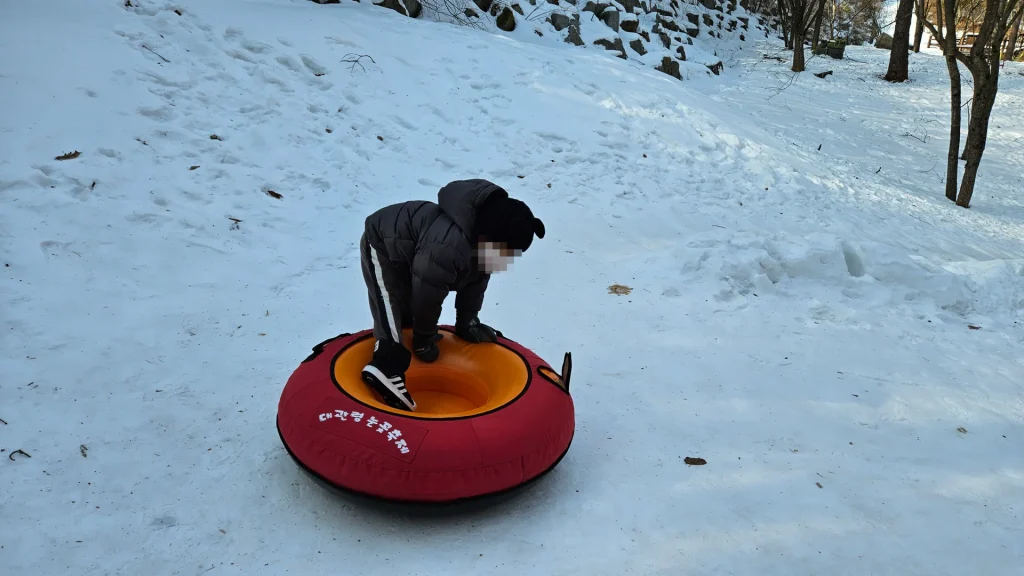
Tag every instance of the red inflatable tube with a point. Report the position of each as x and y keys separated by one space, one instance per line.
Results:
x=500 y=439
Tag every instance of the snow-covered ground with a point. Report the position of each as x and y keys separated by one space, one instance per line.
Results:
x=800 y=317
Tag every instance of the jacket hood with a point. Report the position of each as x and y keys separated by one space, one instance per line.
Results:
x=461 y=200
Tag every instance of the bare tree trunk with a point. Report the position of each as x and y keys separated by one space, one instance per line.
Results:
x=955 y=97
x=921 y=9
x=817 y=30
x=799 y=64
x=899 y=60
x=985 y=89
x=947 y=11
x=785 y=19
x=1013 y=38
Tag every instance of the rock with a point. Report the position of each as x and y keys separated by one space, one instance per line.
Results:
x=610 y=16
x=410 y=8
x=665 y=39
x=716 y=68
x=745 y=22
x=470 y=13
x=630 y=6
x=320 y=2
x=630 y=25
x=669 y=66
x=682 y=53
x=573 y=37
x=495 y=10
x=613 y=45
x=559 y=21
x=638 y=46
x=710 y=4
x=538 y=32
x=708 y=21
x=694 y=19
x=518 y=8
x=742 y=38
x=555 y=2
x=646 y=35
x=507 y=20
x=693 y=32
x=668 y=24
x=483 y=5
x=732 y=25
x=597 y=9
x=665 y=13
x=884 y=42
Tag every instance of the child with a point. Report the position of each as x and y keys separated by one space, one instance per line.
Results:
x=414 y=253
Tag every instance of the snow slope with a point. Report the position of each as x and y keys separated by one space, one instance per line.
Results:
x=797 y=319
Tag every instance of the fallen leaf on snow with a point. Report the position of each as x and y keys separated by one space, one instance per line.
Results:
x=69 y=156
x=83 y=449
x=695 y=461
x=962 y=430
x=818 y=484
x=193 y=167
x=619 y=289
x=973 y=327
x=273 y=194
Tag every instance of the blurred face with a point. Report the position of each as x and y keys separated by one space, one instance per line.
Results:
x=495 y=257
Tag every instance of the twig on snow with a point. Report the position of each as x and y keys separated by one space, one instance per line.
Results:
x=11 y=455
x=355 y=60
x=161 y=57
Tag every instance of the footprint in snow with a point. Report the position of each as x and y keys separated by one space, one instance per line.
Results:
x=404 y=123
x=160 y=114
x=289 y=62
x=312 y=65
x=485 y=85
x=336 y=40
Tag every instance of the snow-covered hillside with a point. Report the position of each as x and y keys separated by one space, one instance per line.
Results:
x=807 y=312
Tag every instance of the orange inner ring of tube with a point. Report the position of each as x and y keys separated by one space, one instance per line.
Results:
x=466 y=379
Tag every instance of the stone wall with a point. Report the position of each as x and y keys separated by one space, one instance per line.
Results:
x=656 y=32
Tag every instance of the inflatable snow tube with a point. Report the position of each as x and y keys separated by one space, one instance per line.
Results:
x=491 y=418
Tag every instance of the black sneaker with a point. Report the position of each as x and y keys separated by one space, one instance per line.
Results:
x=391 y=388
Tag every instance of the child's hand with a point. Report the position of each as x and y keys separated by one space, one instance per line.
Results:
x=425 y=347
x=475 y=332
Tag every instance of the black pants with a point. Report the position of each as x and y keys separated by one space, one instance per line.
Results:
x=390 y=291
